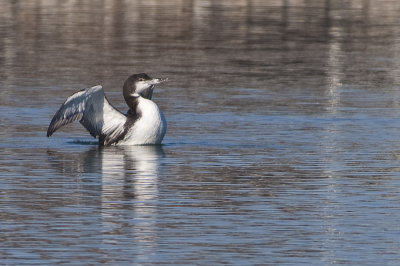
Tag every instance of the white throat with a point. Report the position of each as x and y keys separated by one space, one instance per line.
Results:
x=149 y=128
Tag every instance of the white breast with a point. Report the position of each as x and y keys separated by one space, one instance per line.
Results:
x=150 y=128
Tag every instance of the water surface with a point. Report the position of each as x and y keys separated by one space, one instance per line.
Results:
x=282 y=144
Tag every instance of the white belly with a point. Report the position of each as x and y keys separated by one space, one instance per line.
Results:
x=150 y=128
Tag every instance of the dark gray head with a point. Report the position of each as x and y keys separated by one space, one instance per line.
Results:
x=140 y=85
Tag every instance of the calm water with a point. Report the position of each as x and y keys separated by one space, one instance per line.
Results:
x=283 y=144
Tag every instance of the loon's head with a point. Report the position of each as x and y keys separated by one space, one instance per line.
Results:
x=140 y=85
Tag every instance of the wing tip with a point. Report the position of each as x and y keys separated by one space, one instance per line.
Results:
x=50 y=131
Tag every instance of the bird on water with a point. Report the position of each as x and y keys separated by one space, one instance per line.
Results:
x=144 y=123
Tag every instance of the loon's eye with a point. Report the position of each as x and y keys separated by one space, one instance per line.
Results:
x=141 y=79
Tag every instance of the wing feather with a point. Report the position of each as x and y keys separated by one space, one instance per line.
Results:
x=94 y=112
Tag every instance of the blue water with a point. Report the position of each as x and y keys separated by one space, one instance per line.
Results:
x=282 y=144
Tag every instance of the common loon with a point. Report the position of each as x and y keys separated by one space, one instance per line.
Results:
x=144 y=123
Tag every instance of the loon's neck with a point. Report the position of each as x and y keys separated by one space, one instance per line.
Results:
x=132 y=102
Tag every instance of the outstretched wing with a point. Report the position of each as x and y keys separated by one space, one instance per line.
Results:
x=94 y=112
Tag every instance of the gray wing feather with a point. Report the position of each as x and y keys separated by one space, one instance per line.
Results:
x=93 y=111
